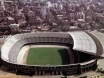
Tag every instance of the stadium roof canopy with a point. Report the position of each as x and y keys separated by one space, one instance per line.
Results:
x=83 y=42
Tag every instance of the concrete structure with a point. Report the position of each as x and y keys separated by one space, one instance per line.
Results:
x=81 y=45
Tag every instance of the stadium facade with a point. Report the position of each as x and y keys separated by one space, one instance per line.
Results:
x=81 y=42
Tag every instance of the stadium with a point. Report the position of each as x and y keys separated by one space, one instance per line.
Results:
x=52 y=53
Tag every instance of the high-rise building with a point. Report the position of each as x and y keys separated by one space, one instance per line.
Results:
x=49 y=15
x=2 y=4
x=43 y=11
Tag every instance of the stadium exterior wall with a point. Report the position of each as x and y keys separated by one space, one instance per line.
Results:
x=40 y=70
x=69 y=69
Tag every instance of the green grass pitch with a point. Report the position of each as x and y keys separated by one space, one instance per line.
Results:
x=47 y=56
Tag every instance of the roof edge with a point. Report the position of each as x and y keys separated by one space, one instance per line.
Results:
x=98 y=44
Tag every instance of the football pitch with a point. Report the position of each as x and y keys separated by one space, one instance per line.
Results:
x=47 y=56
